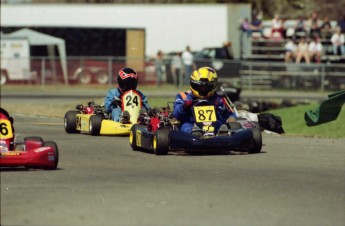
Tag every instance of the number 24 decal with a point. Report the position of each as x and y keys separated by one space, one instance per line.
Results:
x=130 y=101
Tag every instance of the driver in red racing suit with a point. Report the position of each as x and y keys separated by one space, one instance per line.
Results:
x=203 y=85
x=127 y=79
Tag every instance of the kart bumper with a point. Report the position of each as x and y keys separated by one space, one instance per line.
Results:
x=110 y=127
x=186 y=141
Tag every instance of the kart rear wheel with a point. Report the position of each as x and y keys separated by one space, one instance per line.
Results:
x=133 y=136
x=70 y=122
x=56 y=153
x=95 y=124
x=257 y=141
x=161 y=142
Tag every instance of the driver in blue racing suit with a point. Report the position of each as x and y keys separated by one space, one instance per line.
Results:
x=127 y=79
x=203 y=85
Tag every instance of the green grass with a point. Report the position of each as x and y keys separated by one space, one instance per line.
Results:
x=294 y=124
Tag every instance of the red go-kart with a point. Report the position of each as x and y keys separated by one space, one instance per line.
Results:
x=33 y=152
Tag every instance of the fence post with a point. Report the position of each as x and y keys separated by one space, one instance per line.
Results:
x=250 y=76
x=109 y=72
x=322 y=77
x=43 y=72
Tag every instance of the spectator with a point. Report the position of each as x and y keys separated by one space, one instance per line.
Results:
x=256 y=26
x=302 y=51
x=176 y=69
x=314 y=25
x=326 y=28
x=290 y=50
x=300 y=29
x=338 y=42
x=277 y=27
x=160 y=67
x=341 y=24
x=188 y=63
x=315 y=49
x=245 y=26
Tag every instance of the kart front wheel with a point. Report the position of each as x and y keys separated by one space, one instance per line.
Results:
x=161 y=142
x=134 y=137
x=95 y=124
x=70 y=122
x=56 y=154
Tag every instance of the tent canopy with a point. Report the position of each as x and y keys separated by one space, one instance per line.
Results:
x=38 y=39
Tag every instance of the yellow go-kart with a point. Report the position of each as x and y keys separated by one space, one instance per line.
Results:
x=93 y=119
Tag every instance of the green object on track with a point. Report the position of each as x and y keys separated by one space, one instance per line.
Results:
x=327 y=111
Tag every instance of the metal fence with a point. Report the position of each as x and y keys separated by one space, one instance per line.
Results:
x=103 y=70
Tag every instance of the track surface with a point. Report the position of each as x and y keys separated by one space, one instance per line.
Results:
x=101 y=181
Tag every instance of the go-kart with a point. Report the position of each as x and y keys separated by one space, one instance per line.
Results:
x=93 y=119
x=160 y=133
x=33 y=152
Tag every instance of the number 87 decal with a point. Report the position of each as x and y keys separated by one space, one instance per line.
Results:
x=205 y=114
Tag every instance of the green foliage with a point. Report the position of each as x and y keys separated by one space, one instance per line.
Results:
x=294 y=124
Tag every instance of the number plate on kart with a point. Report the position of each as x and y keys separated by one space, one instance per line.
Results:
x=205 y=114
x=5 y=129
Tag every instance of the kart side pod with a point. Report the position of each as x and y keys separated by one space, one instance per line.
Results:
x=36 y=154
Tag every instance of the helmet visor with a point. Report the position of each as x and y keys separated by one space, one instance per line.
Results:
x=128 y=84
x=203 y=87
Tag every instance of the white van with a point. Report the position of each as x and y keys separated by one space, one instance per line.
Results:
x=15 y=59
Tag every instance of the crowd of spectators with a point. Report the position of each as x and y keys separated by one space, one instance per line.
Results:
x=304 y=39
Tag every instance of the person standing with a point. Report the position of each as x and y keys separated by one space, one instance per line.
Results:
x=160 y=68
x=188 y=62
x=176 y=69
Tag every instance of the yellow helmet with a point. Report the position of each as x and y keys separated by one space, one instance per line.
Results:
x=203 y=82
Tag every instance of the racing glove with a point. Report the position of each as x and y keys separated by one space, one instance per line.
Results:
x=187 y=104
x=79 y=107
x=116 y=102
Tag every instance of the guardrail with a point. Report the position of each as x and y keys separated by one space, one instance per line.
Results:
x=268 y=75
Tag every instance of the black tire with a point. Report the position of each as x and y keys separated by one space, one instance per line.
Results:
x=56 y=153
x=95 y=124
x=70 y=122
x=133 y=136
x=161 y=142
x=85 y=77
x=102 y=77
x=257 y=141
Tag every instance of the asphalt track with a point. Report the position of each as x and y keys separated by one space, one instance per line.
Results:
x=101 y=181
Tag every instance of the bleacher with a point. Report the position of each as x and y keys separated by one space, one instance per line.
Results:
x=269 y=46
x=263 y=64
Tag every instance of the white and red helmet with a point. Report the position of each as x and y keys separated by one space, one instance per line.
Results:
x=127 y=79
